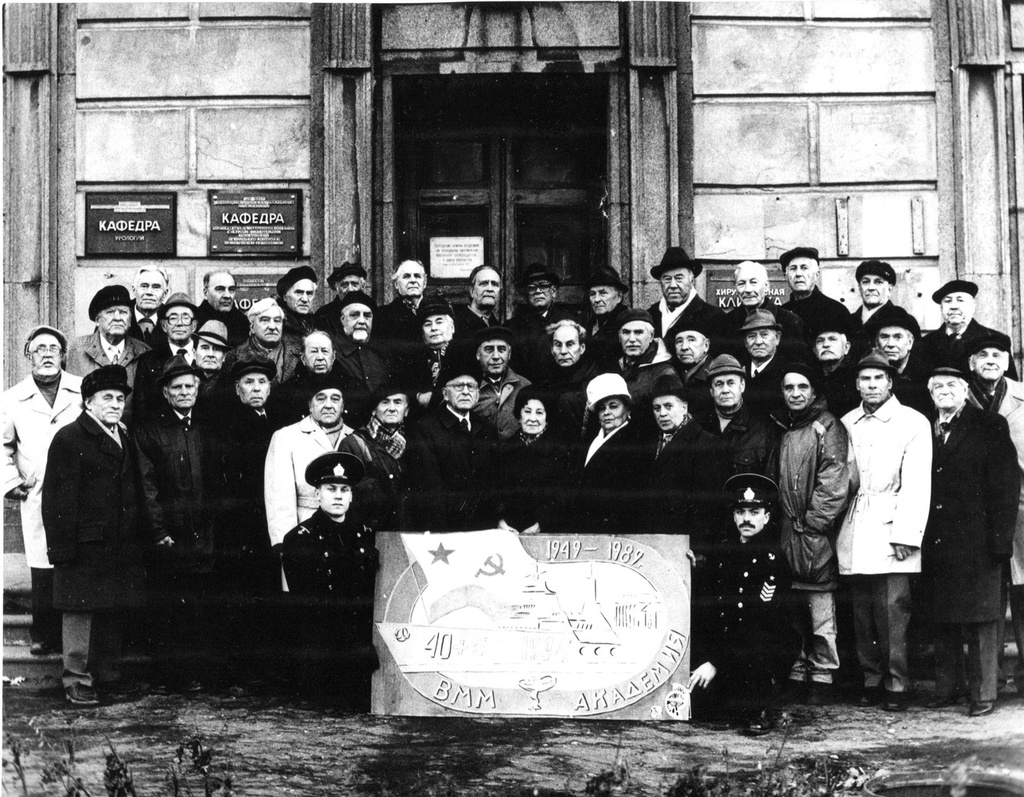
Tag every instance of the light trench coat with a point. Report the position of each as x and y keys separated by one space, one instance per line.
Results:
x=29 y=424
x=1012 y=408
x=287 y=496
x=892 y=453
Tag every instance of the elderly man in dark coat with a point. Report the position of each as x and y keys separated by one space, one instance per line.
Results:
x=968 y=540
x=531 y=353
x=365 y=367
x=680 y=303
x=452 y=456
x=688 y=469
x=100 y=514
x=818 y=311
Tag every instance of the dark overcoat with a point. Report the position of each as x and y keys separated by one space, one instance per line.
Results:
x=366 y=370
x=532 y=480
x=937 y=348
x=609 y=489
x=751 y=441
x=451 y=472
x=698 y=310
x=969 y=536
x=100 y=515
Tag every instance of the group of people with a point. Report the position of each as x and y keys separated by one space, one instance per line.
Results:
x=223 y=459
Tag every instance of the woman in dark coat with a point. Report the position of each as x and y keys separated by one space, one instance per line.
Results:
x=100 y=515
x=968 y=540
x=532 y=467
x=611 y=469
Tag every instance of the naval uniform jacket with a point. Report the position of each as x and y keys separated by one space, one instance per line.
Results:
x=969 y=536
x=330 y=561
x=100 y=514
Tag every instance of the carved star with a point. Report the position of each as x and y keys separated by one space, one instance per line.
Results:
x=441 y=554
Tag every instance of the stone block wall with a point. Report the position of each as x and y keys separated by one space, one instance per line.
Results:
x=816 y=124
x=188 y=97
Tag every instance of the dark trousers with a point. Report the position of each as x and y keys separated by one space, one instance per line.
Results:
x=881 y=615
x=92 y=648
x=1017 y=614
x=179 y=627
x=46 y=621
x=982 y=664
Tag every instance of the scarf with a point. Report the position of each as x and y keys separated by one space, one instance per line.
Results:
x=393 y=442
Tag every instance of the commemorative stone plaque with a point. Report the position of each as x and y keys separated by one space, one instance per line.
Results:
x=256 y=222
x=490 y=622
x=130 y=224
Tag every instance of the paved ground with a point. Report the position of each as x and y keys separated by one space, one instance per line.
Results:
x=280 y=745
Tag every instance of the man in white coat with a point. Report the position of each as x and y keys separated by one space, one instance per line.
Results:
x=288 y=497
x=879 y=543
x=992 y=390
x=33 y=410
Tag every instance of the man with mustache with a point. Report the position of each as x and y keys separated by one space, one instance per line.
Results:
x=109 y=344
x=948 y=344
x=364 y=367
x=219 y=305
x=34 y=409
x=879 y=544
x=743 y=640
x=482 y=310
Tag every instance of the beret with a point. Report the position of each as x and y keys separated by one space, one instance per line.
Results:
x=336 y=467
x=804 y=369
x=106 y=377
x=760 y=319
x=800 y=251
x=108 y=296
x=175 y=367
x=991 y=340
x=294 y=275
x=494 y=333
x=43 y=329
x=676 y=257
x=214 y=332
x=877 y=268
x=259 y=365
x=175 y=300
x=954 y=286
x=603 y=275
x=538 y=272
x=346 y=269
x=357 y=297
x=634 y=314
x=701 y=325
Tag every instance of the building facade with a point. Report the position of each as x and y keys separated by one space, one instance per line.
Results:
x=574 y=134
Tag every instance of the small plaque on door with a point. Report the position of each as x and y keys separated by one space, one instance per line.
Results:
x=455 y=258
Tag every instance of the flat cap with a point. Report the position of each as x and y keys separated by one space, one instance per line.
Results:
x=751 y=490
x=253 y=365
x=357 y=297
x=346 y=269
x=760 y=319
x=109 y=296
x=214 y=332
x=947 y=370
x=676 y=257
x=175 y=367
x=800 y=251
x=43 y=329
x=538 y=272
x=876 y=360
x=725 y=364
x=603 y=275
x=954 y=286
x=494 y=333
x=295 y=275
x=805 y=370
x=878 y=268
x=991 y=340
x=631 y=314
x=434 y=305
x=892 y=316
x=605 y=386
x=178 y=299
x=106 y=377
x=335 y=467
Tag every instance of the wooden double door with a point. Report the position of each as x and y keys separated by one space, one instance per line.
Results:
x=505 y=170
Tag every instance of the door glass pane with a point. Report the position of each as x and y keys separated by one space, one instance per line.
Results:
x=557 y=163
x=454 y=163
x=566 y=240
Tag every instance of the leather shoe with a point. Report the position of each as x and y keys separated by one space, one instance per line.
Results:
x=895 y=702
x=760 y=725
x=871 y=696
x=123 y=687
x=81 y=695
x=982 y=709
x=942 y=701
x=819 y=694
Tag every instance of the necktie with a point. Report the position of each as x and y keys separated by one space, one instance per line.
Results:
x=943 y=431
x=187 y=421
x=182 y=352
x=146 y=325
x=662 y=442
x=465 y=424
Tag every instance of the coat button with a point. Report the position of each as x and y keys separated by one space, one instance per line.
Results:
x=739 y=605
x=938 y=470
x=741 y=590
x=938 y=506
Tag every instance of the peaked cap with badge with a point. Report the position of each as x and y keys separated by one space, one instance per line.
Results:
x=336 y=467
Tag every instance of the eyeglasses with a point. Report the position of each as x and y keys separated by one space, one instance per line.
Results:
x=539 y=287
x=463 y=387
x=46 y=350
x=180 y=318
